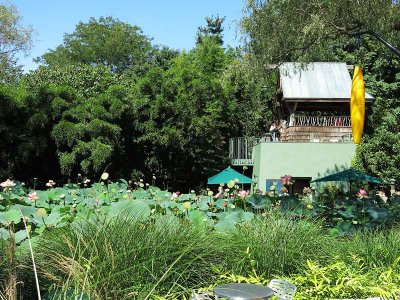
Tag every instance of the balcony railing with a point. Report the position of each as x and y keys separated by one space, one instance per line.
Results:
x=302 y=129
x=327 y=121
x=241 y=150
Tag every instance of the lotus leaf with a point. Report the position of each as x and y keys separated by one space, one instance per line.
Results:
x=202 y=204
x=239 y=216
x=123 y=182
x=221 y=203
x=40 y=229
x=345 y=226
x=20 y=236
x=225 y=227
x=52 y=195
x=141 y=194
x=379 y=214
x=290 y=203
x=396 y=199
x=197 y=215
x=162 y=196
x=259 y=201
x=10 y=216
x=186 y=197
x=25 y=210
x=346 y=214
x=41 y=203
x=4 y=234
x=137 y=208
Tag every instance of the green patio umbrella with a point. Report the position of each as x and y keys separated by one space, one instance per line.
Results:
x=227 y=175
x=350 y=175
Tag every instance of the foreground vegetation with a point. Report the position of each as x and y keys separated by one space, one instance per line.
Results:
x=107 y=241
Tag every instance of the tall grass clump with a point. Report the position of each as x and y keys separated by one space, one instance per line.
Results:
x=127 y=259
x=280 y=245
x=3 y=269
x=377 y=248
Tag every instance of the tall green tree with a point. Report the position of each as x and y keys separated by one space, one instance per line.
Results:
x=378 y=153
x=253 y=91
x=213 y=30
x=186 y=117
x=91 y=133
x=104 y=41
x=27 y=118
x=305 y=30
x=88 y=81
x=14 y=39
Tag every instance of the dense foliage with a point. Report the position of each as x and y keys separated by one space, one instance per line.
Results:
x=132 y=110
x=107 y=98
x=106 y=240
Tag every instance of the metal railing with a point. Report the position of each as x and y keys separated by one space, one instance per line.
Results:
x=329 y=121
x=241 y=150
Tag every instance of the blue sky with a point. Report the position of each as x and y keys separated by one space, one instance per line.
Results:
x=172 y=23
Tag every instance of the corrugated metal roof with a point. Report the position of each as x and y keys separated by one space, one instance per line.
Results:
x=322 y=81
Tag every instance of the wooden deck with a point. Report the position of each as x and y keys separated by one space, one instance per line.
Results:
x=315 y=134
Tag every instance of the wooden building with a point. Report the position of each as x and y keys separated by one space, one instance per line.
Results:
x=313 y=105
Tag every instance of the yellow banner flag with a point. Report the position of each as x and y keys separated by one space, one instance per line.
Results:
x=357 y=105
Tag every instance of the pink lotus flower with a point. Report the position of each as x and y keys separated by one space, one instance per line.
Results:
x=362 y=194
x=33 y=196
x=175 y=194
x=243 y=194
x=286 y=180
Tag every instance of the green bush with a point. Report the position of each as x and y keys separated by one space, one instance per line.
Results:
x=338 y=280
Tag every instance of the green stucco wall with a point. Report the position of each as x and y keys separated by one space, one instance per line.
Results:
x=273 y=160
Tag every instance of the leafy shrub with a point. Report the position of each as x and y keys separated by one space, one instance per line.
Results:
x=339 y=280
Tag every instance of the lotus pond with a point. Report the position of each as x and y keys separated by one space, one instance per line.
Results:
x=109 y=241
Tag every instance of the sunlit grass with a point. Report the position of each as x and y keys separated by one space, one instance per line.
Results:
x=124 y=258
x=281 y=245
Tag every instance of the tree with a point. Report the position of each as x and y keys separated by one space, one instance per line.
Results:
x=26 y=121
x=378 y=152
x=213 y=30
x=106 y=41
x=87 y=81
x=305 y=30
x=14 y=38
x=92 y=133
x=252 y=91
x=185 y=117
